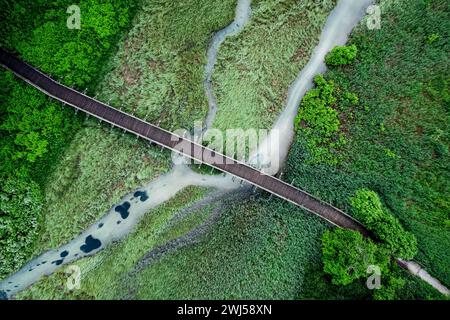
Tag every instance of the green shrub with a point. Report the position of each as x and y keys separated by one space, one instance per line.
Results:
x=341 y=55
x=33 y=130
x=346 y=255
x=20 y=208
x=389 y=288
x=367 y=208
x=319 y=122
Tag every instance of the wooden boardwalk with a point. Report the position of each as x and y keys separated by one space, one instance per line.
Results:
x=171 y=141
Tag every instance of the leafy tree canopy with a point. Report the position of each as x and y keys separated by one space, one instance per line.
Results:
x=367 y=208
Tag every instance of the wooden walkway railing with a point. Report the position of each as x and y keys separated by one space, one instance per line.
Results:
x=168 y=140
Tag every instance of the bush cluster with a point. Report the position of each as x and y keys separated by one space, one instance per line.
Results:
x=367 y=208
x=318 y=121
x=341 y=55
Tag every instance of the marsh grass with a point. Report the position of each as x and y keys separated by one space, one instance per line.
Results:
x=102 y=272
x=159 y=69
x=255 y=68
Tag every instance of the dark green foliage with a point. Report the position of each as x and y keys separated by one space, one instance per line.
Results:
x=341 y=55
x=20 y=207
x=367 y=208
x=319 y=123
x=33 y=129
x=346 y=255
x=31 y=125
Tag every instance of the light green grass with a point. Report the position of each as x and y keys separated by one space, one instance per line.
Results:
x=159 y=69
x=97 y=170
x=256 y=67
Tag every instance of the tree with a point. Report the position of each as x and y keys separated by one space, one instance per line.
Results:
x=389 y=288
x=346 y=255
x=32 y=121
x=367 y=208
